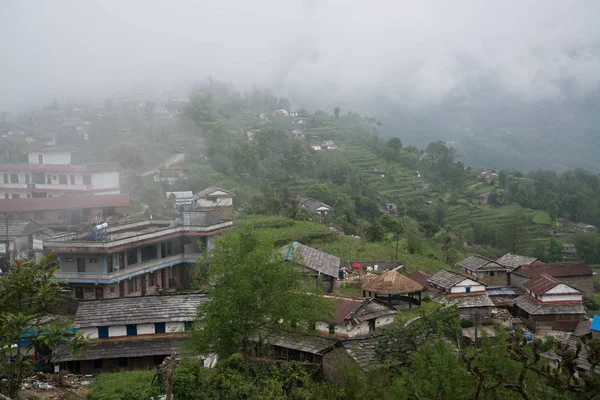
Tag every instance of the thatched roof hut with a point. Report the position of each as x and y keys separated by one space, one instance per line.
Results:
x=392 y=283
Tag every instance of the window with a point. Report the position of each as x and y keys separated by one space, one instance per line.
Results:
x=331 y=329
x=151 y=279
x=159 y=327
x=132 y=285
x=109 y=264
x=492 y=273
x=27 y=178
x=54 y=178
x=214 y=201
x=123 y=362
x=5 y=178
x=16 y=196
x=103 y=332
x=371 y=325
x=468 y=289
x=131 y=330
x=188 y=325
x=132 y=256
x=87 y=179
x=40 y=159
x=81 y=265
x=38 y=215
x=79 y=293
x=62 y=179
x=49 y=180
x=6 y=195
x=98 y=364
x=149 y=253
x=72 y=179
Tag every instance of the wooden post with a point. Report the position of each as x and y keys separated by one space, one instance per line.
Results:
x=170 y=370
x=410 y=300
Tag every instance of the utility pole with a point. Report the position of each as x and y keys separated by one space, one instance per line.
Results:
x=397 y=239
x=7 y=256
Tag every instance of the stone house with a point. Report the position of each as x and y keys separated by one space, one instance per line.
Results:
x=576 y=274
x=316 y=206
x=550 y=303
x=214 y=198
x=357 y=355
x=130 y=333
x=314 y=263
x=585 y=228
x=481 y=199
x=484 y=270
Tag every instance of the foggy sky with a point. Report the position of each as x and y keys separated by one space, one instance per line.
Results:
x=415 y=51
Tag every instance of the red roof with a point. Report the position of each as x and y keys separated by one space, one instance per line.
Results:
x=345 y=306
x=556 y=270
x=541 y=284
x=421 y=277
x=62 y=203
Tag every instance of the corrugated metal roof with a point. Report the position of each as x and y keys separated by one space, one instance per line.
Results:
x=314 y=259
x=541 y=284
x=209 y=190
x=595 y=323
x=420 y=277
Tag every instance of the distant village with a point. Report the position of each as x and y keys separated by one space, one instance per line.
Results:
x=125 y=277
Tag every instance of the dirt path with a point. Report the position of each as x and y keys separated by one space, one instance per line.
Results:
x=174 y=159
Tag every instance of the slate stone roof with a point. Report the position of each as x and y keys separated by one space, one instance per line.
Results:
x=130 y=346
x=314 y=259
x=572 y=341
x=446 y=279
x=209 y=190
x=556 y=270
x=138 y=310
x=392 y=282
x=480 y=263
x=513 y=261
x=362 y=351
x=311 y=203
x=467 y=301
x=531 y=306
x=361 y=309
x=307 y=343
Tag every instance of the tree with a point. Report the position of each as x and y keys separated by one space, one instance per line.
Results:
x=554 y=251
x=553 y=211
x=320 y=192
x=514 y=233
x=129 y=155
x=251 y=286
x=336 y=112
x=375 y=232
x=395 y=143
x=27 y=293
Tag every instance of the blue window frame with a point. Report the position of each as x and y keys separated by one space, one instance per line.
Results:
x=159 y=327
x=131 y=330
x=468 y=289
x=103 y=332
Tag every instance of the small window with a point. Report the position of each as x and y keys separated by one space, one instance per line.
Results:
x=98 y=364
x=468 y=289
x=492 y=273
x=103 y=332
x=87 y=179
x=123 y=362
x=79 y=293
x=26 y=178
x=151 y=279
x=332 y=329
x=54 y=177
x=160 y=327
x=133 y=285
x=188 y=326
x=131 y=330
x=371 y=325
x=14 y=178
x=132 y=256
x=214 y=201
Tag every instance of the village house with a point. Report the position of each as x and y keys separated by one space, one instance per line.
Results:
x=298 y=134
x=582 y=364
x=182 y=200
x=391 y=208
x=134 y=259
x=422 y=186
x=576 y=274
x=568 y=249
x=316 y=264
x=550 y=303
x=23 y=240
x=315 y=147
x=484 y=270
x=359 y=355
x=393 y=287
x=355 y=316
x=513 y=261
x=292 y=345
x=171 y=175
x=420 y=277
x=585 y=228
x=451 y=288
x=316 y=206
x=281 y=113
x=131 y=333
x=214 y=198
x=481 y=199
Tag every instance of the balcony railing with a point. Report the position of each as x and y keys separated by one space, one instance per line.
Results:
x=128 y=272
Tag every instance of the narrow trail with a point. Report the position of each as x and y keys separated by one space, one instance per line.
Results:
x=174 y=159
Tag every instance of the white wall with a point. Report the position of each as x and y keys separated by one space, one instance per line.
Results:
x=105 y=179
x=175 y=327
x=145 y=329
x=50 y=157
x=461 y=286
x=561 y=288
x=117 y=330
x=561 y=297
x=220 y=202
x=383 y=321
x=92 y=332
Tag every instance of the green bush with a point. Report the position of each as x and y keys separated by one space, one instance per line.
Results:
x=127 y=385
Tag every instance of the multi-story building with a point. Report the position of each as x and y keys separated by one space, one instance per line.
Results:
x=135 y=259
x=31 y=188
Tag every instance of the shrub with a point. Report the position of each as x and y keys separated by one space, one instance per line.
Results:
x=128 y=385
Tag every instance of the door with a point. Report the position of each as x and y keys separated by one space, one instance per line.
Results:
x=49 y=180
x=122 y=289
x=143 y=283
x=40 y=159
x=163 y=279
x=99 y=293
x=122 y=260
x=81 y=265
